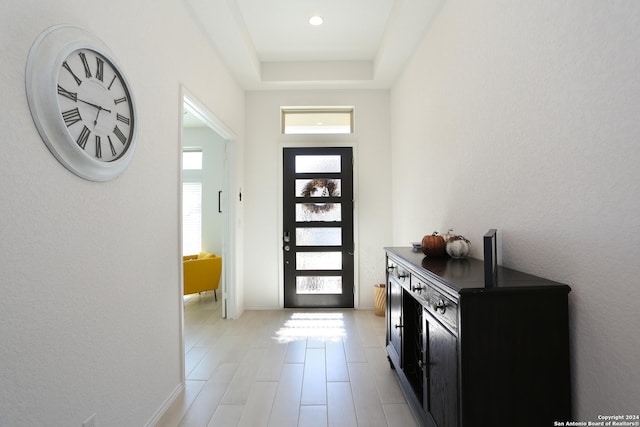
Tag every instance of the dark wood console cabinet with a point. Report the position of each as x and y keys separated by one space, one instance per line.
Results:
x=471 y=356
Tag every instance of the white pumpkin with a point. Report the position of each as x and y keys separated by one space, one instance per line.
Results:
x=458 y=247
x=449 y=234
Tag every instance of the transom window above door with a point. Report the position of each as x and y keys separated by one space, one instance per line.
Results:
x=317 y=120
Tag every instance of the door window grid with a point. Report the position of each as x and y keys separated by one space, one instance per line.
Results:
x=318 y=188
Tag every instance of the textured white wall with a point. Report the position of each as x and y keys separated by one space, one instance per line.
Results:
x=89 y=273
x=263 y=159
x=524 y=116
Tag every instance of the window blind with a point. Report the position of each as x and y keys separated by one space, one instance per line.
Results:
x=191 y=218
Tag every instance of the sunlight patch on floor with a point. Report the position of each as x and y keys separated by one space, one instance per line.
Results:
x=316 y=325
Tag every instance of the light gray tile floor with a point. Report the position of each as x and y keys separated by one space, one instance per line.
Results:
x=286 y=368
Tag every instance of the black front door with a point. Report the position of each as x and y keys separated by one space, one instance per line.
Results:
x=318 y=227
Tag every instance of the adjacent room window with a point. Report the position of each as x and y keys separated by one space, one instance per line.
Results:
x=315 y=120
x=191 y=202
x=192 y=160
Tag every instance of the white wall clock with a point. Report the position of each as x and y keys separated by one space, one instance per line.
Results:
x=81 y=103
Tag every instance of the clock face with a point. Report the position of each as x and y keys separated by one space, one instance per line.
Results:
x=95 y=105
x=81 y=103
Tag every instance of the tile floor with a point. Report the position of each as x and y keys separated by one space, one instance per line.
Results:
x=286 y=368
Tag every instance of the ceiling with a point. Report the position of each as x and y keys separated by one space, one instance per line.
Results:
x=269 y=44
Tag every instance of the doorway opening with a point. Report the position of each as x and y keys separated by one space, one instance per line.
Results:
x=207 y=215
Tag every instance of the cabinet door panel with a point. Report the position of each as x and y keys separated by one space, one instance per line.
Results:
x=413 y=343
x=395 y=317
x=442 y=379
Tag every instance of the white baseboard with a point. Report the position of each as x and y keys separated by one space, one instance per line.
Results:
x=163 y=408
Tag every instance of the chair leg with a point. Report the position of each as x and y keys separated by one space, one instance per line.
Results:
x=215 y=295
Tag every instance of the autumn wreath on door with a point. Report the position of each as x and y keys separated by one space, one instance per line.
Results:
x=320 y=187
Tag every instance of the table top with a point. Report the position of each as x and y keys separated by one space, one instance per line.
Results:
x=467 y=274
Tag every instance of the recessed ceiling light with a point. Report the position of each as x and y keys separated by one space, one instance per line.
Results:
x=316 y=20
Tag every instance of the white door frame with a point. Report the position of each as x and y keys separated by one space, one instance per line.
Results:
x=228 y=294
x=329 y=142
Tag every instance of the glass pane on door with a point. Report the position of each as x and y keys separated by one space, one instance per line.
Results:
x=319 y=236
x=318 y=187
x=328 y=212
x=318 y=260
x=318 y=285
x=318 y=163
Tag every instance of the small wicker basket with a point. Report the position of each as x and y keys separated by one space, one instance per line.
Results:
x=379 y=299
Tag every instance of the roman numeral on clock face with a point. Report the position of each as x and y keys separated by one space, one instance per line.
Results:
x=67 y=94
x=98 y=147
x=83 y=137
x=71 y=117
x=99 y=69
x=120 y=135
x=113 y=149
x=119 y=100
x=87 y=70
x=68 y=68
x=122 y=118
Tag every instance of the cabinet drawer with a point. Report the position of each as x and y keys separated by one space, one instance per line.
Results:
x=443 y=309
x=399 y=272
x=437 y=304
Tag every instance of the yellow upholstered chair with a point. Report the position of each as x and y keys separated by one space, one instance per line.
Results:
x=202 y=273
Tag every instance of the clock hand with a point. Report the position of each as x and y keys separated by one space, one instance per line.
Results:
x=95 y=122
x=95 y=106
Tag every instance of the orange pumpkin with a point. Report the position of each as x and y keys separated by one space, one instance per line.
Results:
x=434 y=245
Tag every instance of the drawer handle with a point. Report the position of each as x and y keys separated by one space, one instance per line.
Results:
x=398 y=326
x=418 y=288
x=403 y=276
x=391 y=267
x=441 y=306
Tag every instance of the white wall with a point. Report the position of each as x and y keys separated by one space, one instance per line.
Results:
x=263 y=159
x=523 y=116
x=89 y=273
